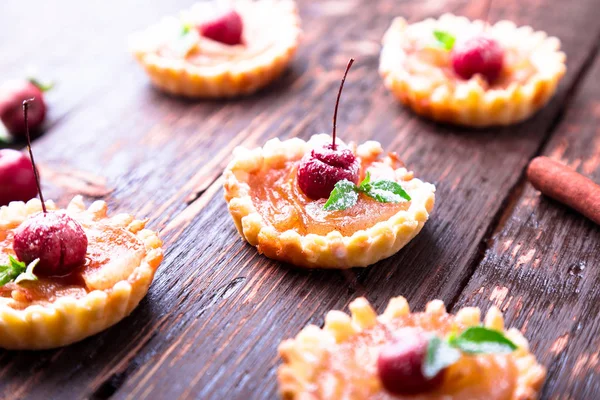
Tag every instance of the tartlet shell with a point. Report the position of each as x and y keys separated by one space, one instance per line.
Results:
x=68 y=319
x=301 y=355
x=247 y=76
x=361 y=249
x=470 y=104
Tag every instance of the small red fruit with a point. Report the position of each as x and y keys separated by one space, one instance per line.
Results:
x=54 y=238
x=17 y=180
x=323 y=167
x=225 y=28
x=478 y=55
x=400 y=364
x=12 y=95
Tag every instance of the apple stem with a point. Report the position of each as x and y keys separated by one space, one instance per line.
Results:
x=35 y=172
x=337 y=102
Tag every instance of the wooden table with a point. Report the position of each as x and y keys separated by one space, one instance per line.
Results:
x=210 y=325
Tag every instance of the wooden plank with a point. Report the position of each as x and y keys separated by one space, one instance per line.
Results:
x=541 y=267
x=227 y=345
x=217 y=310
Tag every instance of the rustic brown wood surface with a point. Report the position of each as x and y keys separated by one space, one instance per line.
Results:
x=540 y=266
x=211 y=323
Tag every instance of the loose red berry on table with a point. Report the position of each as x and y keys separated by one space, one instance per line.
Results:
x=478 y=55
x=226 y=28
x=400 y=364
x=12 y=95
x=17 y=180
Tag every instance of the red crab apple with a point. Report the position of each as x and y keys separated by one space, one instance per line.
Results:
x=17 y=180
x=400 y=364
x=54 y=238
x=226 y=28
x=12 y=95
x=478 y=55
x=325 y=166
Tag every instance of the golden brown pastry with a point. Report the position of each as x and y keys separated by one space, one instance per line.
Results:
x=220 y=49
x=403 y=355
x=468 y=73
x=57 y=300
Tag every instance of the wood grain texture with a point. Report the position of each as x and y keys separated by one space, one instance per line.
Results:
x=541 y=267
x=211 y=323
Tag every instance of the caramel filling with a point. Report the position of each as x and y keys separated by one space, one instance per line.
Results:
x=112 y=255
x=348 y=370
x=282 y=204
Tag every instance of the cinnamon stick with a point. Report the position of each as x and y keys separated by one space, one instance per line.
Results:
x=565 y=185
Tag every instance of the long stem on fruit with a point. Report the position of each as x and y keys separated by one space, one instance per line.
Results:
x=337 y=102
x=35 y=172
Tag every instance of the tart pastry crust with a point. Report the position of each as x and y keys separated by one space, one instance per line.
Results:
x=242 y=73
x=333 y=250
x=429 y=93
x=68 y=319
x=308 y=372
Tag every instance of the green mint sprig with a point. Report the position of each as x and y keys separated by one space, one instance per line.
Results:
x=345 y=193
x=474 y=340
x=480 y=340
x=185 y=41
x=445 y=39
x=186 y=28
x=28 y=275
x=44 y=86
x=17 y=271
x=440 y=354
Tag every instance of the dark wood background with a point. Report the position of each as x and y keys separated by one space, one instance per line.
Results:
x=210 y=325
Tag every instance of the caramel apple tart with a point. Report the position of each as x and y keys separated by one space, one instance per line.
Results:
x=272 y=211
x=324 y=204
x=220 y=49
x=409 y=355
x=69 y=274
x=469 y=72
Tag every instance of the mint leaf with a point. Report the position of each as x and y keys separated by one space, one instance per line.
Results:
x=185 y=42
x=439 y=356
x=185 y=29
x=385 y=191
x=11 y=271
x=480 y=340
x=28 y=274
x=344 y=195
x=365 y=183
x=445 y=39
x=44 y=86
